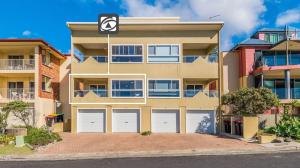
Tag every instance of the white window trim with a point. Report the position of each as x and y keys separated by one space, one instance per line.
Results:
x=111 y=89
x=179 y=59
x=180 y=94
x=49 y=88
x=111 y=55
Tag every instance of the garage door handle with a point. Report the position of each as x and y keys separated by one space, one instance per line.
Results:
x=165 y=122
x=92 y=122
x=126 y=122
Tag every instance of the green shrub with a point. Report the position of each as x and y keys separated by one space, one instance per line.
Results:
x=5 y=139
x=40 y=136
x=146 y=133
x=289 y=126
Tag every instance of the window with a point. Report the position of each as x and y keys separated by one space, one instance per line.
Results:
x=31 y=59
x=163 y=53
x=46 y=84
x=164 y=88
x=99 y=89
x=192 y=90
x=127 y=88
x=294 y=58
x=46 y=58
x=274 y=37
x=213 y=55
x=127 y=53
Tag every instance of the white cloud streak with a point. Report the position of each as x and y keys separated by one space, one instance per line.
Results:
x=241 y=17
x=26 y=33
x=288 y=17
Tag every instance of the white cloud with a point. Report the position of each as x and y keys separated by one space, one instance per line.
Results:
x=26 y=33
x=288 y=17
x=240 y=16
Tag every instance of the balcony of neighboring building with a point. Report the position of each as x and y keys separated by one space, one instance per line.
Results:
x=285 y=84
x=17 y=60
x=21 y=88
x=276 y=60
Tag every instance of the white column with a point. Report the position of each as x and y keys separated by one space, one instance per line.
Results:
x=36 y=84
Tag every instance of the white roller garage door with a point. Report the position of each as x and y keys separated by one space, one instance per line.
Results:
x=126 y=120
x=165 y=121
x=91 y=120
x=200 y=121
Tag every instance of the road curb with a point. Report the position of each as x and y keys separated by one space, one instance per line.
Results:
x=107 y=155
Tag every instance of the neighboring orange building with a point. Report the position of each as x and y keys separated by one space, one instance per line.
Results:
x=30 y=70
x=270 y=58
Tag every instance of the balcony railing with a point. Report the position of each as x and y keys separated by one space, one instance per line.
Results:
x=191 y=92
x=100 y=59
x=163 y=92
x=82 y=93
x=127 y=92
x=17 y=64
x=190 y=58
x=17 y=94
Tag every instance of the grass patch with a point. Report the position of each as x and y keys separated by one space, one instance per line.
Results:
x=12 y=150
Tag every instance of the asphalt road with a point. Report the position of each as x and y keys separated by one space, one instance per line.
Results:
x=283 y=160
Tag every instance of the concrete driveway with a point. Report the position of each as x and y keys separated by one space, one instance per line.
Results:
x=95 y=143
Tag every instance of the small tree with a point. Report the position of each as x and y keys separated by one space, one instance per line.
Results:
x=250 y=101
x=19 y=110
x=3 y=121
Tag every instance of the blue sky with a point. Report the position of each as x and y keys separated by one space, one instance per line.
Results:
x=47 y=18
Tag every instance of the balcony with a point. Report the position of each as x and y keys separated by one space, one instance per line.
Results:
x=25 y=94
x=277 y=58
x=208 y=93
x=17 y=64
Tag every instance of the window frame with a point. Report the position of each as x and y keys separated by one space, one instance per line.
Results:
x=134 y=79
x=179 y=53
x=49 y=88
x=46 y=54
x=111 y=54
x=157 y=79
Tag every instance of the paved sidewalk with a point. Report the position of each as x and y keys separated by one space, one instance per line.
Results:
x=101 y=143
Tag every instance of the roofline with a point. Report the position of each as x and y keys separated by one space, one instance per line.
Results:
x=152 y=23
x=33 y=40
x=150 y=17
x=250 y=45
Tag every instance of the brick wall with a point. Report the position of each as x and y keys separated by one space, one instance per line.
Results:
x=52 y=72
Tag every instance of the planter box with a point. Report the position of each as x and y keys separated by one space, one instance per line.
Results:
x=16 y=131
x=250 y=127
x=266 y=138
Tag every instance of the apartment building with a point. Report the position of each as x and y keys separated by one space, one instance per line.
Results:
x=155 y=74
x=32 y=71
x=270 y=58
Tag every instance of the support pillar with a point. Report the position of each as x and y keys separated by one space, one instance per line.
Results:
x=287 y=79
x=262 y=80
